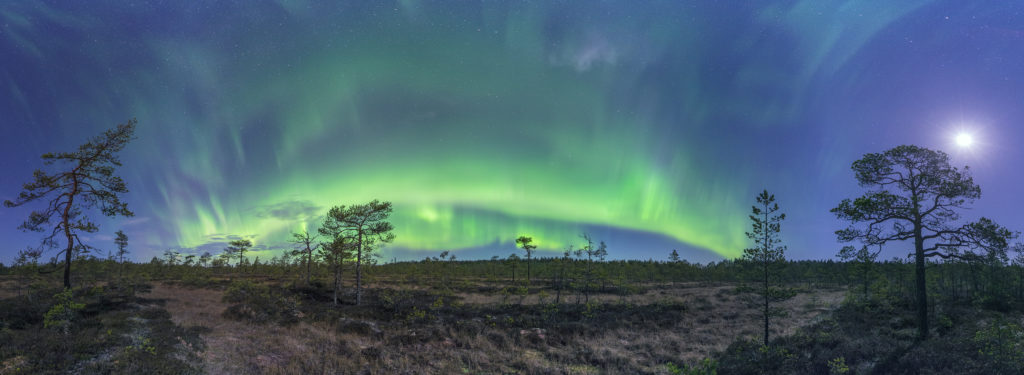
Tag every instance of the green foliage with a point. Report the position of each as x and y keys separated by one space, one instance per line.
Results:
x=862 y=260
x=1001 y=344
x=749 y=356
x=237 y=248
x=526 y=243
x=416 y=315
x=110 y=335
x=706 y=366
x=944 y=324
x=767 y=253
x=591 y=309
x=673 y=256
x=365 y=227
x=767 y=224
x=196 y=280
x=550 y=311
x=395 y=299
x=143 y=346
x=838 y=366
x=87 y=181
x=64 y=310
x=915 y=194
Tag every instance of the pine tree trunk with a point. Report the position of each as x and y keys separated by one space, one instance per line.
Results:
x=1020 y=282
x=359 y=272
x=867 y=271
x=528 y=278
x=590 y=277
x=922 y=293
x=766 y=303
x=65 y=219
x=309 y=261
x=558 y=283
x=120 y=272
x=766 y=259
x=337 y=279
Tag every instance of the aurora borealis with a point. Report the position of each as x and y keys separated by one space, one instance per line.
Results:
x=651 y=124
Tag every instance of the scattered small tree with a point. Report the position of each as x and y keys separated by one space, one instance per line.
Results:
x=334 y=254
x=205 y=259
x=513 y=261
x=445 y=259
x=87 y=182
x=171 y=257
x=307 y=245
x=673 y=256
x=527 y=244
x=676 y=260
x=768 y=250
x=862 y=260
x=494 y=269
x=27 y=264
x=591 y=253
x=238 y=248
x=121 y=240
x=563 y=264
x=1018 y=262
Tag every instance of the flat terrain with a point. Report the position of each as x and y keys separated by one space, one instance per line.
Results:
x=434 y=318
x=637 y=332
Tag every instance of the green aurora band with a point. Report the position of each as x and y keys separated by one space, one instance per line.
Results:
x=480 y=124
x=555 y=161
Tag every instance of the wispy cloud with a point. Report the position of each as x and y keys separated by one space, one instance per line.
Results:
x=298 y=210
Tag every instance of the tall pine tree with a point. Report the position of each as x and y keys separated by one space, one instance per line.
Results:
x=767 y=252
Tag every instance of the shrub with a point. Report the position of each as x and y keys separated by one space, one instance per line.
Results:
x=838 y=366
x=707 y=366
x=260 y=304
x=63 y=311
x=1000 y=345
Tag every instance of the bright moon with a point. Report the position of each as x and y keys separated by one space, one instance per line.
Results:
x=964 y=140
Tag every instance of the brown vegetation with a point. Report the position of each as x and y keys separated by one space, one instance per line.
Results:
x=713 y=317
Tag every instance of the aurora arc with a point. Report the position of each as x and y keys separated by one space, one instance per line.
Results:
x=479 y=121
x=553 y=163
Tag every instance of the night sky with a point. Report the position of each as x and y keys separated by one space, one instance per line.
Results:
x=649 y=124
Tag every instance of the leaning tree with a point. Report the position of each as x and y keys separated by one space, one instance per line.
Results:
x=915 y=195
x=85 y=181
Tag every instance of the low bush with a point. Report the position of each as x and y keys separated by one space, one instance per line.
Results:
x=259 y=303
x=875 y=337
x=94 y=331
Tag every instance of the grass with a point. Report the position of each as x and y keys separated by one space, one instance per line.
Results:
x=417 y=330
x=270 y=325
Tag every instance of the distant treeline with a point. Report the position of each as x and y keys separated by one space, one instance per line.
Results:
x=989 y=281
